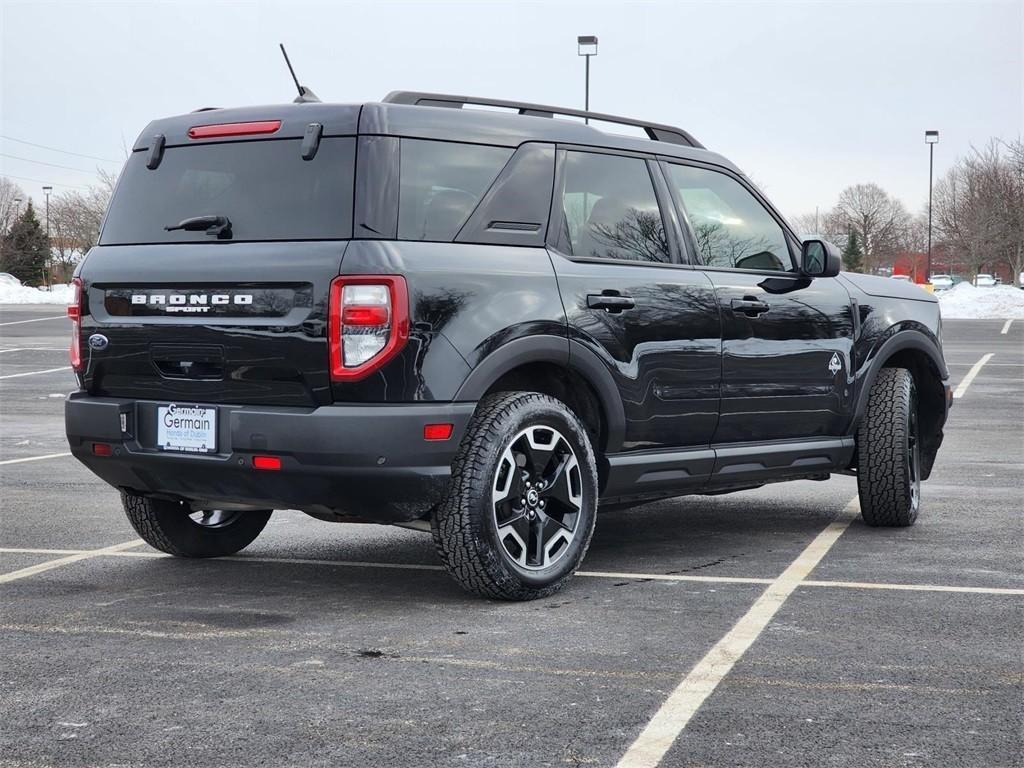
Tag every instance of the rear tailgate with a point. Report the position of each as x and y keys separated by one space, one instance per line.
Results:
x=243 y=324
x=236 y=314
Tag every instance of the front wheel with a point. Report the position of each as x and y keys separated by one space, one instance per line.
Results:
x=889 y=452
x=522 y=502
x=170 y=527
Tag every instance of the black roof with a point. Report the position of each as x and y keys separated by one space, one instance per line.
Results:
x=419 y=115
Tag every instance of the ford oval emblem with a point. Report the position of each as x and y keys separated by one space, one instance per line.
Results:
x=98 y=341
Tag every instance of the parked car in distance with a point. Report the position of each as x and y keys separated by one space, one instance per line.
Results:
x=6 y=278
x=985 y=281
x=942 y=282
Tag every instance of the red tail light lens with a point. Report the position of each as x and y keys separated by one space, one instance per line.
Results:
x=368 y=323
x=233 y=129
x=75 y=313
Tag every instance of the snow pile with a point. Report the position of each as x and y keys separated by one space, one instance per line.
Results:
x=965 y=302
x=23 y=294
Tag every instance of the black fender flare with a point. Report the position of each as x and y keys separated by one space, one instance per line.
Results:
x=902 y=340
x=562 y=352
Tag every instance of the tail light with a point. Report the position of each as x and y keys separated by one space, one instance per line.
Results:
x=233 y=129
x=75 y=313
x=368 y=323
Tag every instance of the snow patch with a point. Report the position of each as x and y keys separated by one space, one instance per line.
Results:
x=966 y=302
x=23 y=294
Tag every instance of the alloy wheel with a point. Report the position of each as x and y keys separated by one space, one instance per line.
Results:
x=537 y=497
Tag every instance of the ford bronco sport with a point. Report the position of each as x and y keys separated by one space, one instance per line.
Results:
x=477 y=321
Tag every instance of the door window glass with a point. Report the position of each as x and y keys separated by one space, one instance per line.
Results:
x=731 y=227
x=611 y=211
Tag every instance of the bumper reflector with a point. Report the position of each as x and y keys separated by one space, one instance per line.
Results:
x=266 y=462
x=102 y=449
x=437 y=431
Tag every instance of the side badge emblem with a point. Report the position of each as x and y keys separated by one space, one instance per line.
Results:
x=835 y=365
x=98 y=341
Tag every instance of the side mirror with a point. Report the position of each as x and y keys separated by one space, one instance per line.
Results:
x=819 y=258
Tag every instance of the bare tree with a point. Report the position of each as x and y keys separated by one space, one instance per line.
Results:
x=807 y=224
x=977 y=206
x=75 y=220
x=879 y=220
x=9 y=210
x=1011 y=191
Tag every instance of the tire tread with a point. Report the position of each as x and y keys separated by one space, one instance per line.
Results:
x=881 y=447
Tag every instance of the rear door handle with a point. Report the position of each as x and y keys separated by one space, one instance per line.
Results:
x=749 y=306
x=610 y=302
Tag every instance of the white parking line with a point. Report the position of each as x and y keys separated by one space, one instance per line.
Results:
x=672 y=717
x=916 y=587
x=49 y=565
x=1006 y=327
x=34 y=349
x=34 y=373
x=975 y=370
x=35 y=320
x=618 y=575
x=34 y=458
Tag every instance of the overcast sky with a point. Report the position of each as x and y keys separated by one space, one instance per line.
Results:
x=807 y=98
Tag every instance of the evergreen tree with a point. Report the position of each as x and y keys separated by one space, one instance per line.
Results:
x=25 y=248
x=853 y=255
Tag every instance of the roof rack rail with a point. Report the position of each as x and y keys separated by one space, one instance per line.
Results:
x=654 y=131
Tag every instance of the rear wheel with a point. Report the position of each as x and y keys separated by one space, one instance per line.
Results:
x=522 y=502
x=170 y=527
x=889 y=452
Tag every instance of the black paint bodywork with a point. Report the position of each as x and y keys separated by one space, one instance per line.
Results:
x=689 y=394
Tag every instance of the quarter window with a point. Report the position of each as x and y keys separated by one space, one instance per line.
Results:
x=731 y=227
x=440 y=185
x=611 y=211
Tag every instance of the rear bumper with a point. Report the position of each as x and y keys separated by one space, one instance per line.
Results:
x=365 y=461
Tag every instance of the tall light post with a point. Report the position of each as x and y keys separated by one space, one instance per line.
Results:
x=931 y=138
x=586 y=46
x=47 y=189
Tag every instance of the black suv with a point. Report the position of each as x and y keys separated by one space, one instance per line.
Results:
x=481 y=322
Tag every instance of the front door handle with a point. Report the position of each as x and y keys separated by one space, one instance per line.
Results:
x=749 y=306
x=610 y=302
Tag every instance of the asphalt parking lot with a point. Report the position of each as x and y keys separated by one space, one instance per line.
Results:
x=756 y=629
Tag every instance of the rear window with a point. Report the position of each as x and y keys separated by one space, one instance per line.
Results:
x=440 y=183
x=264 y=188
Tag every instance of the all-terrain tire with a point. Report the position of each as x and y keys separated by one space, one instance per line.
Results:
x=465 y=524
x=888 y=464
x=167 y=526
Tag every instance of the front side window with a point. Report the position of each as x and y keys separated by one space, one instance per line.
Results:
x=611 y=210
x=440 y=183
x=731 y=227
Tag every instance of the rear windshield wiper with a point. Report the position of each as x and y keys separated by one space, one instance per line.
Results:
x=212 y=225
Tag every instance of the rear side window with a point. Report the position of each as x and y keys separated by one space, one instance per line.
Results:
x=440 y=183
x=611 y=210
x=264 y=188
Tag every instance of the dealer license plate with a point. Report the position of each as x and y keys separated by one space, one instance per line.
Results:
x=186 y=428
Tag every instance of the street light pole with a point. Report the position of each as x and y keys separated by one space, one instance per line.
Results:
x=931 y=138
x=586 y=46
x=49 y=251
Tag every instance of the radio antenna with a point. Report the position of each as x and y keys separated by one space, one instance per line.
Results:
x=305 y=94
